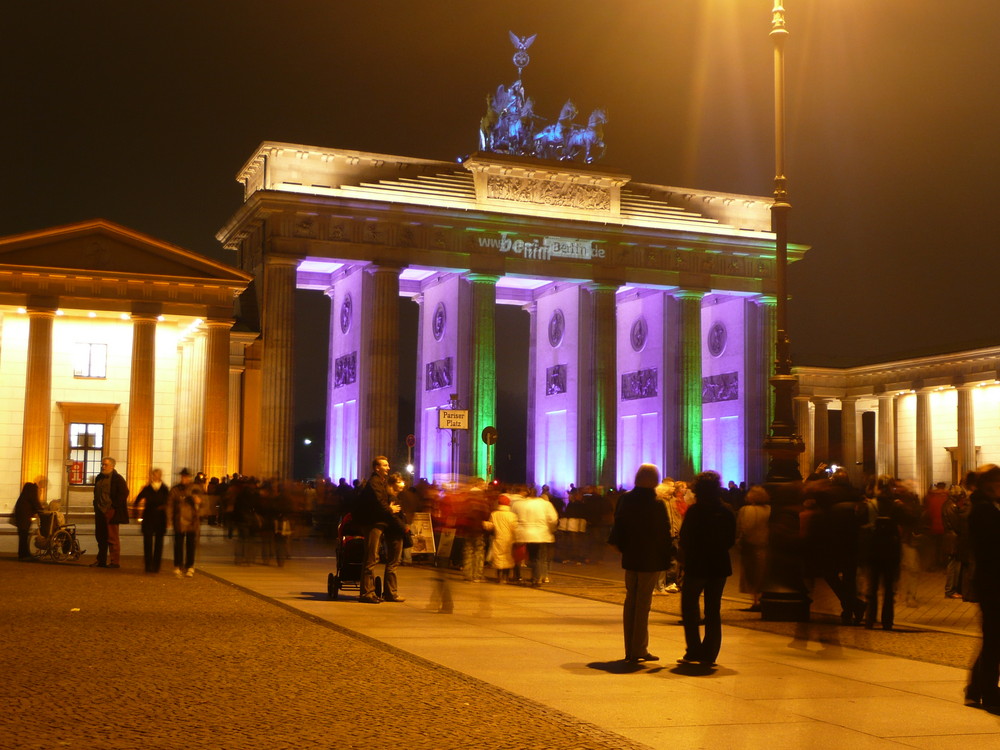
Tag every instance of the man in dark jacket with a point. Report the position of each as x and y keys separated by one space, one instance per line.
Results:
x=984 y=530
x=641 y=532
x=707 y=533
x=374 y=510
x=110 y=510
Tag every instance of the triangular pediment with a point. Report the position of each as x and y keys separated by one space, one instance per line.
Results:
x=104 y=248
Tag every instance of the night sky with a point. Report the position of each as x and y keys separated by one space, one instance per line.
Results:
x=142 y=112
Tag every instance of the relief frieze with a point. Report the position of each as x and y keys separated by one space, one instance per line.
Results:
x=639 y=384
x=722 y=387
x=548 y=193
x=345 y=370
x=374 y=233
x=555 y=380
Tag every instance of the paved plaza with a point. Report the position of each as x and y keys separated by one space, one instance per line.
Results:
x=258 y=656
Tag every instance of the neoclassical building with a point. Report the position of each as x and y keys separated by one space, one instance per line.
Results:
x=929 y=419
x=652 y=309
x=113 y=343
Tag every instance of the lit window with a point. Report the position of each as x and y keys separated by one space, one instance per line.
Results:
x=86 y=445
x=90 y=361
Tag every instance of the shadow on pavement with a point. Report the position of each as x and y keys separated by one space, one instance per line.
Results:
x=619 y=666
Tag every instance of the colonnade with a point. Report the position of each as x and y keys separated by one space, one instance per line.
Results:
x=203 y=408
x=578 y=389
x=910 y=444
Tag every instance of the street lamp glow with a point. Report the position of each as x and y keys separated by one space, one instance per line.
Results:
x=307 y=441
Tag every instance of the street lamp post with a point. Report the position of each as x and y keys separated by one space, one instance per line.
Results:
x=785 y=597
x=783 y=445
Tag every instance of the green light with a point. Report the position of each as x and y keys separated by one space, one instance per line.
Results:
x=483 y=396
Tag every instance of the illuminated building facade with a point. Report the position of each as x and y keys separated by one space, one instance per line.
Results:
x=652 y=309
x=113 y=343
x=930 y=419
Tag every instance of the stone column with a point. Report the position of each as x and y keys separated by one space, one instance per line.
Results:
x=420 y=464
x=849 y=438
x=690 y=385
x=924 y=455
x=602 y=409
x=807 y=458
x=885 y=447
x=233 y=462
x=140 y=402
x=381 y=411
x=37 y=395
x=966 y=431
x=483 y=367
x=277 y=367
x=821 y=432
x=216 y=412
x=179 y=451
x=195 y=414
x=531 y=460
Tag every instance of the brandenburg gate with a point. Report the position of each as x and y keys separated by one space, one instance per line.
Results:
x=652 y=309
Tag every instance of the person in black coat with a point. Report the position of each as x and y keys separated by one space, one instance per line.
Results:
x=984 y=532
x=706 y=535
x=641 y=532
x=154 y=519
x=885 y=551
x=27 y=505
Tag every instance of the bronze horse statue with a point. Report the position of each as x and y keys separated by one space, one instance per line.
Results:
x=551 y=141
x=587 y=142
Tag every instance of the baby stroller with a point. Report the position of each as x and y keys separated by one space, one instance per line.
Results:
x=351 y=545
x=54 y=537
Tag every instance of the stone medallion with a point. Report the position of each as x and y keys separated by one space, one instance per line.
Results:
x=557 y=327
x=717 y=336
x=638 y=334
x=439 y=321
x=346 y=314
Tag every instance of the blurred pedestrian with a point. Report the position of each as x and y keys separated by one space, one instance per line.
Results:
x=641 y=532
x=932 y=520
x=886 y=550
x=955 y=518
x=244 y=518
x=183 y=510
x=27 y=506
x=502 y=523
x=984 y=530
x=110 y=510
x=707 y=534
x=474 y=513
x=536 y=524
x=751 y=539
x=153 y=520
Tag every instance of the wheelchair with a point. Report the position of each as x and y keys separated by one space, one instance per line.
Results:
x=54 y=538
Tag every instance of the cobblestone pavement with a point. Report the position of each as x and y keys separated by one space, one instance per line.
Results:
x=95 y=658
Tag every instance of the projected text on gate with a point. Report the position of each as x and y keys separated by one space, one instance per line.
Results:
x=544 y=248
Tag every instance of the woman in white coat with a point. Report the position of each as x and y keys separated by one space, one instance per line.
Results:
x=502 y=523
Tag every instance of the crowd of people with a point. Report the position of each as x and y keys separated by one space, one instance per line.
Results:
x=869 y=545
